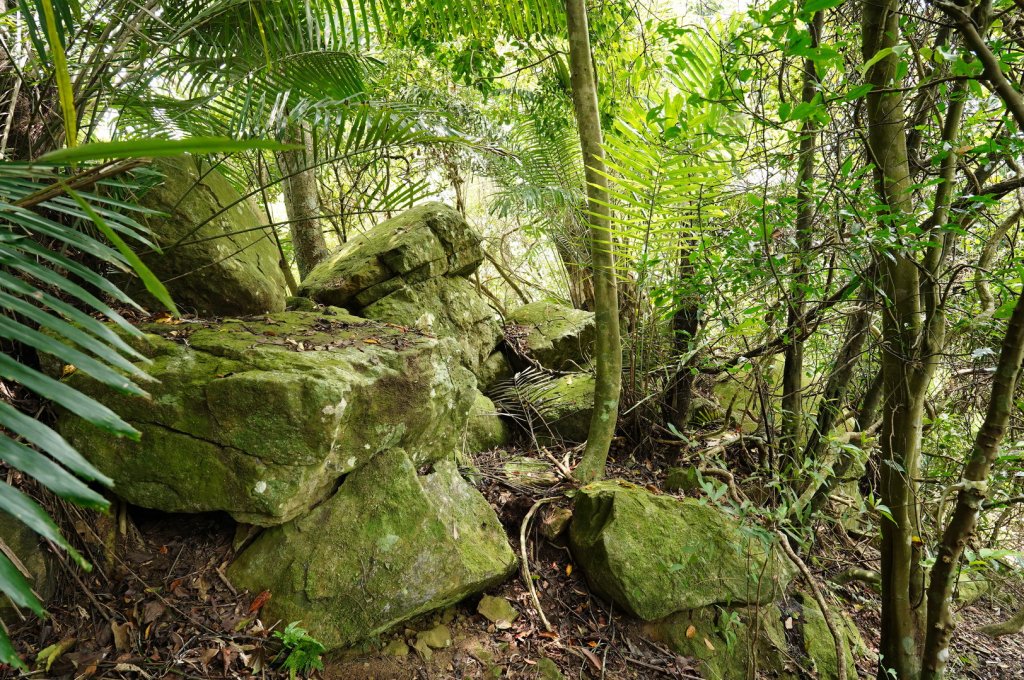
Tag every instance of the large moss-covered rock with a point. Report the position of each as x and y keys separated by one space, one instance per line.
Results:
x=485 y=429
x=260 y=417
x=656 y=555
x=788 y=639
x=554 y=336
x=449 y=307
x=389 y=545
x=411 y=270
x=215 y=260
x=425 y=242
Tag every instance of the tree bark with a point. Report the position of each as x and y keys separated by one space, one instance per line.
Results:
x=793 y=369
x=904 y=377
x=302 y=202
x=971 y=495
x=607 y=350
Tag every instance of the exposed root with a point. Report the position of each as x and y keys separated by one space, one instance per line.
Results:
x=524 y=563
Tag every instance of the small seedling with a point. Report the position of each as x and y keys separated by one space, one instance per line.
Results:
x=301 y=651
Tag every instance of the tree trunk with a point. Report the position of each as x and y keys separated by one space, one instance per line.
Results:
x=607 y=351
x=904 y=379
x=973 y=490
x=302 y=202
x=793 y=370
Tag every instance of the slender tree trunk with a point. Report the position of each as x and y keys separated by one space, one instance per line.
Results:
x=607 y=351
x=988 y=253
x=904 y=379
x=793 y=370
x=834 y=396
x=302 y=202
x=972 y=493
x=685 y=324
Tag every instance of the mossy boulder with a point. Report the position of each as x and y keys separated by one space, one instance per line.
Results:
x=411 y=270
x=485 y=429
x=422 y=243
x=554 y=336
x=449 y=307
x=788 y=639
x=561 y=408
x=493 y=370
x=260 y=417
x=390 y=545
x=216 y=259
x=655 y=555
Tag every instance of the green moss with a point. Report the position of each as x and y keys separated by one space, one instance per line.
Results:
x=388 y=546
x=243 y=421
x=427 y=241
x=213 y=262
x=485 y=429
x=820 y=646
x=656 y=555
x=559 y=338
x=563 y=406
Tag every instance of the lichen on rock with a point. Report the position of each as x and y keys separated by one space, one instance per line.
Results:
x=655 y=555
x=389 y=545
x=260 y=417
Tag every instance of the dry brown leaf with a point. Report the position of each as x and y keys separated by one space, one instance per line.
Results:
x=122 y=635
x=594 y=660
x=691 y=631
x=707 y=643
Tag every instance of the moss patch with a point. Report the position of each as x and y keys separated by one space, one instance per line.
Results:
x=388 y=546
x=656 y=555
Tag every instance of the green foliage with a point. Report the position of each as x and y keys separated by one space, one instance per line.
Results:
x=300 y=650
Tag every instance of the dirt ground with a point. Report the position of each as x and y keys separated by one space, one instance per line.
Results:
x=162 y=609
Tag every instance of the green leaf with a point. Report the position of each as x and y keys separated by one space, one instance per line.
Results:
x=153 y=284
x=27 y=511
x=8 y=655
x=48 y=473
x=152 y=148
x=813 y=6
x=49 y=441
x=74 y=401
x=61 y=73
x=14 y=586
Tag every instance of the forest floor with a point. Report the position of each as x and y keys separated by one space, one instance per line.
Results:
x=163 y=610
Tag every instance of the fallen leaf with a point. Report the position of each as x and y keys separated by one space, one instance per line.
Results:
x=789 y=623
x=67 y=370
x=122 y=635
x=707 y=643
x=592 y=658
x=691 y=631
x=260 y=600
x=46 y=657
x=568 y=570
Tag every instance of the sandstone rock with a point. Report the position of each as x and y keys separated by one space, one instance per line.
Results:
x=389 y=545
x=259 y=418
x=557 y=337
x=562 y=408
x=788 y=640
x=215 y=260
x=411 y=270
x=656 y=555
x=485 y=429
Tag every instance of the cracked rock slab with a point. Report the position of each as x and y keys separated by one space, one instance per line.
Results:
x=260 y=417
x=391 y=544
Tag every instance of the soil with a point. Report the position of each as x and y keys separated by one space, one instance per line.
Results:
x=158 y=607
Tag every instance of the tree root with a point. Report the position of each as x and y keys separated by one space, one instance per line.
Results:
x=524 y=564
x=825 y=611
x=1014 y=625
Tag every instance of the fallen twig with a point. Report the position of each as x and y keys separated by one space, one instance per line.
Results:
x=524 y=565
